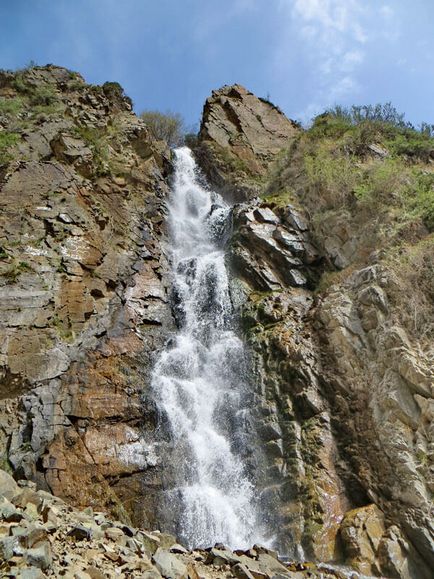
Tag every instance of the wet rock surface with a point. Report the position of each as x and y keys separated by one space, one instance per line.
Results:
x=49 y=538
x=344 y=392
x=301 y=483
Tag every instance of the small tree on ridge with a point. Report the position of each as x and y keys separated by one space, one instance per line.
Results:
x=167 y=126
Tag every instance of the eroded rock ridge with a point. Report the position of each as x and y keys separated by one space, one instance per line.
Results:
x=84 y=299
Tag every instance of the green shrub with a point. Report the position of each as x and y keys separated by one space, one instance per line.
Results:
x=413 y=144
x=327 y=125
x=191 y=140
x=380 y=183
x=379 y=113
x=420 y=198
x=42 y=95
x=11 y=106
x=412 y=290
x=19 y=83
x=113 y=90
x=15 y=269
x=96 y=139
x=332 y=176
x=361 y=126
x=38 y=96
x=7 y=141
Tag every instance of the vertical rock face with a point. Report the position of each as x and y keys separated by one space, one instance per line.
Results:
x=239 y=136
x=83 y=289
x=344 y=394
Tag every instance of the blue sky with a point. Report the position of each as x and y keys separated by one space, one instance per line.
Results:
x=169 y=54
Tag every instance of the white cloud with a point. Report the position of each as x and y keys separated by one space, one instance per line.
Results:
x=331 y=37
x=391 y=28
x=328 y=14
x=387 y=11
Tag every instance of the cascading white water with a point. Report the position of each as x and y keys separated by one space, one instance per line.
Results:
x=198 y=380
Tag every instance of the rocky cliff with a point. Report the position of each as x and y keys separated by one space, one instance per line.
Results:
x=239 y=137
x=82 y=282
x=332 y=256
x=339 y=323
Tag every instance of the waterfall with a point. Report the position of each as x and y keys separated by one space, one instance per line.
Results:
x=199 y=379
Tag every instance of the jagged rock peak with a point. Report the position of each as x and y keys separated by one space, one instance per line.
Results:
x=239 y=139
x=253 y=127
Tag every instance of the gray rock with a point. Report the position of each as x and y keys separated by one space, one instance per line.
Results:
x=242 y=572
x=374 y=295
x=80 y=533
x=176 y=548
x=150 y=542
x=39 y=556
x=222 y=557
x=378 y=150
x=266 y=215
x=8 y=486
x=169 y=565
x=296 y=277
x=114 y=533
x=151 y=574
x=294 y=219
x=35 y=535
x=270 y=565
x=290 y=241
x=8 y=547
x=9 y=513
x=31 y=573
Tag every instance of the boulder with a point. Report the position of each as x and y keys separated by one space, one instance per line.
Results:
x=361 y=531
x=170 y=566
x=8 y=486
x=39 y=556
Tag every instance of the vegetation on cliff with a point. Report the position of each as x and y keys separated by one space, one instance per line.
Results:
x=367 y=175
x=335 y=261
x=342 y=353
x=168 y=127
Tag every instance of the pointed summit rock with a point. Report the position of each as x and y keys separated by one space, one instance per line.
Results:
x=240 y=136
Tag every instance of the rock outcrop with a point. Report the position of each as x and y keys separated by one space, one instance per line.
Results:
x=240 y=135
x=342 y=381
x=84 y=300
x=41 y=536
x=344 y=393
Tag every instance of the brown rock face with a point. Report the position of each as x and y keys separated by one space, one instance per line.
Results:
x=42 y=536
x=253 y=128
x=301 y=484
x=343 y=385
x=240 y=136
x=84 y=299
